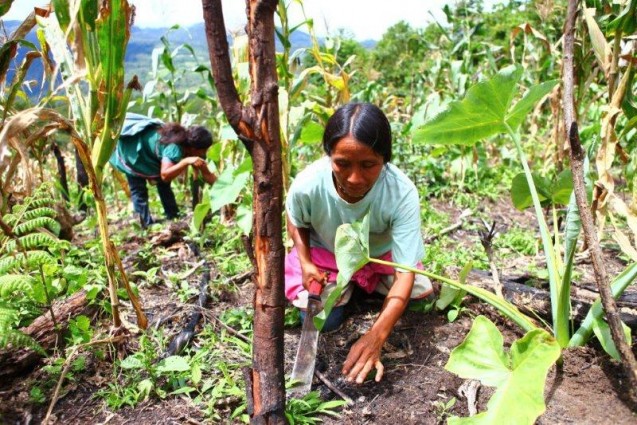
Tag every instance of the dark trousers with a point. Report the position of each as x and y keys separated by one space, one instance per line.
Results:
x=139 y=196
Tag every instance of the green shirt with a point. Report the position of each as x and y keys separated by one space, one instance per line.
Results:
x=393 y=205
x=141 y=155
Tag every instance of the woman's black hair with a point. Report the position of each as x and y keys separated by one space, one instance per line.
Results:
x=362 y=121
x=196 y=137
x=172 y=133
x=199 y=137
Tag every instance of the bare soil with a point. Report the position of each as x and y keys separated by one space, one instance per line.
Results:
x=589 y=388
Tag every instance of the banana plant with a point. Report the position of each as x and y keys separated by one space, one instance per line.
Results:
x=88 y=41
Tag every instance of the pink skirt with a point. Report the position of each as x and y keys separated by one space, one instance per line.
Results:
x=367 y=277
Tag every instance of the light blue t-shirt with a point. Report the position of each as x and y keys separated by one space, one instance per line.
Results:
x=393 y=202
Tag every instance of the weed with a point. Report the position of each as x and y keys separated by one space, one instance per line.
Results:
x=36 y=395
x=307 y=409
x=517 y=240
x=292 y=317
x=444 y=253
x=443 y=409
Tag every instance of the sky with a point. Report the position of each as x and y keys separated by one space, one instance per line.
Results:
x=364 y=19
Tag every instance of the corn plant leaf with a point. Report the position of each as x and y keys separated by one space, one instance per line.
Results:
x=5 y=5
x=600 y=46
x=7 y=52
x=352 y=252
x=113 y=33
x=518 y=376
x=61 y=8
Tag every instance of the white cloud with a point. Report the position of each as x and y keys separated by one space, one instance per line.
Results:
x=363 y=18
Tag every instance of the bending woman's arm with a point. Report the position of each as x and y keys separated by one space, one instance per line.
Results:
x=170 y=170
x=365 y=353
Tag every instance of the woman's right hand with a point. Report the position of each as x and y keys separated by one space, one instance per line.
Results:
x=195 y=161
x=311 y=272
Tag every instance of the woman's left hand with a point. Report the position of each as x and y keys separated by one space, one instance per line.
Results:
x=363 y=357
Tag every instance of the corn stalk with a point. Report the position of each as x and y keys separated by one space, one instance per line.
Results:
x=88 y=41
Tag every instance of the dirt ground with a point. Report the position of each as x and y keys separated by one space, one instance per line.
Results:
x=589 y=389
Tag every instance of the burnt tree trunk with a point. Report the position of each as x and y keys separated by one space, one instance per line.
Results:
x=257 y=125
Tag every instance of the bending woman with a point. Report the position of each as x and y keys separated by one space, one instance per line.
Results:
x=356 y=177
x=150 y=151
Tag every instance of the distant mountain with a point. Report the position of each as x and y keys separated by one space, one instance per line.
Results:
x=144 y=40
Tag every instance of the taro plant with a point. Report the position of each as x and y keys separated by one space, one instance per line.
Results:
x=518 y=375
x=352 y=253
x=488 y=110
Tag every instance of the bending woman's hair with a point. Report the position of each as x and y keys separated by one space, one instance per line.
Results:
x=362 y=121
x=196 y=136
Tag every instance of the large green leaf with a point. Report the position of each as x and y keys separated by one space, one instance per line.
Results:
x=228 y=186
x=517 y=115
x=521 y=194
x=352 y=253
x=556 y=192
x=484 y=111
x=518 y=376
x=479 y=115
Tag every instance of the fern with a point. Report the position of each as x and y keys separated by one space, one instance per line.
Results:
x=32 y=241
x=35 y=223
x=39 y=212
x=17 y=339
x=8 y=316
x=22 y=251
x=33 y=202
x=10 y=283
x=10 y=263
x=13 y=337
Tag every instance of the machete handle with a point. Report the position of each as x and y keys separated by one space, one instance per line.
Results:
x=315 y=287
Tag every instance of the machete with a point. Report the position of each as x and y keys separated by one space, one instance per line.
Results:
x=303 y=370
